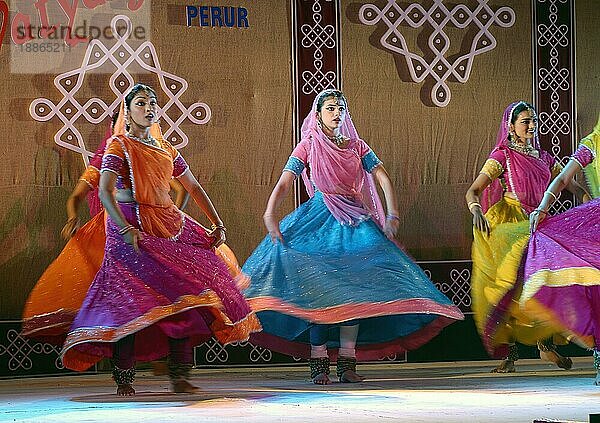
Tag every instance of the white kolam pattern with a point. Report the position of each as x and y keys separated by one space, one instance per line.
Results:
x=122 y=57
x=440 y=16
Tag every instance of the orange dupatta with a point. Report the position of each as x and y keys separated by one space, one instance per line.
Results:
x=150 y=170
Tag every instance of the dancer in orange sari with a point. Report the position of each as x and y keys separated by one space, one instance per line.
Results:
x=160 y=288
x=59 y=293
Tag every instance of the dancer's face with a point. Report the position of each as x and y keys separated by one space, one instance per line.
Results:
x=142 y=110
x=525 y=125
x=333 y=113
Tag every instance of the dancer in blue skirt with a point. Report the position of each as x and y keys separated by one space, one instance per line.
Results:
x=330 y=276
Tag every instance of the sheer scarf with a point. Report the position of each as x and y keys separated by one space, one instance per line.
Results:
x=527 y=176
x=348 y=190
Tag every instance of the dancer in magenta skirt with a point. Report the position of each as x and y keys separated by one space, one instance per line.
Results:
x=160 y=289
x=562 y=272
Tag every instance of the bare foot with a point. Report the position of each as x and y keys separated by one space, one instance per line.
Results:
x=507 y=366
x=554 y=357
x=125 y=390
x=322 y=379
x=184 y=387
x=350 y=376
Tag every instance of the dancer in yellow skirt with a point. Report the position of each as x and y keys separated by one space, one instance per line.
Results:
x=508 y=188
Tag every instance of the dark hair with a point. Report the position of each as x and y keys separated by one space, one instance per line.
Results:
x=521 y=105
x=113 y=119
x=135 y=90
x=331 y=93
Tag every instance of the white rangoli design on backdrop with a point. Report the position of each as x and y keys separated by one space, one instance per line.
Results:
x=437 y=18
x=121 y=56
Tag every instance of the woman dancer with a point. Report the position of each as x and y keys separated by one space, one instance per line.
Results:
x=57 y=296
x=160 y=288
x=508 y=188
x=330 y=275
x=562 y=271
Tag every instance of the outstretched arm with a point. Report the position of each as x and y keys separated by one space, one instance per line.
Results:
x=392 y=221
x=473 y=198
x=191 y=185
x=277 y=196
x=73 y=202
x=579 y=191
x=563 y=180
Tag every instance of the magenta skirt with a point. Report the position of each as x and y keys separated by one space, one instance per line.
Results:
x=172 y=288
x=562 y=274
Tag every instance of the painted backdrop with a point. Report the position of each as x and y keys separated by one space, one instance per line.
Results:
x=426 y=82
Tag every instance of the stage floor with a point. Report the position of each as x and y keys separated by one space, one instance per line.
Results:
x=462 y=392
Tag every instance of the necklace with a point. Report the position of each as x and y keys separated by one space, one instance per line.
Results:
x=337 y=139
x=148 y=141
x=526 y=149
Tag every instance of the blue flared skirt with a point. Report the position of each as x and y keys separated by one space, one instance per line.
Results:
x=328 y=273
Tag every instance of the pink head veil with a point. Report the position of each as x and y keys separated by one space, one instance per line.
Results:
x=494 y=192
x=502 y=137
x=348 y=190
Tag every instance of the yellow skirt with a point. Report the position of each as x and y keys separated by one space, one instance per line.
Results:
x=496 y=280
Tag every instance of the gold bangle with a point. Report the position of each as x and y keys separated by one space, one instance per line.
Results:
x=473 y=204
x=552 y=194
x=219 y=226
x=126 y=229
